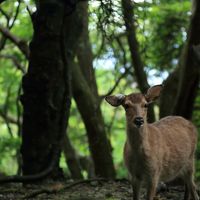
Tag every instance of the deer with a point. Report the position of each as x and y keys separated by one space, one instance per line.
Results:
x=159 y=151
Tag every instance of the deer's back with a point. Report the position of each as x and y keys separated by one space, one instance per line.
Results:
x=179 y=137
x=177 y=130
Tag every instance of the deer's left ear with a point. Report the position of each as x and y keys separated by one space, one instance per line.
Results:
x=153 y=93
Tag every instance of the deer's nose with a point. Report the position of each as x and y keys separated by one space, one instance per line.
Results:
x=138 y=121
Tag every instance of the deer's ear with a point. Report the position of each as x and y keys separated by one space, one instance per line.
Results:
x=115 y=100
x=153 y=93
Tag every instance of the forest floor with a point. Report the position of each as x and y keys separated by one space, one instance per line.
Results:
x=85 y=190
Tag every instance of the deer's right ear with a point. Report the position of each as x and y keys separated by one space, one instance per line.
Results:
x=115 y=100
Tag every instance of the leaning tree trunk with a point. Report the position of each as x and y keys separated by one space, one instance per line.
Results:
x=89 y=108
x=87 y=100
x=127 y=8
x=84 y=50
x=190 y=70
x=46 y=95
x=72 y=159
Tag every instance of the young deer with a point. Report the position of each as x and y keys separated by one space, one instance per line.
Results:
x=155 y=152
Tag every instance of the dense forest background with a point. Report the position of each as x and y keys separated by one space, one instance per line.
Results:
x=59 y=59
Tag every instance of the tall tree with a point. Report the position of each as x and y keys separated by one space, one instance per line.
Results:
x=46 y=93
x=180 y=88
x=140 y=74
x=84 y=51
x=86 y=96
x=89 y=108
x=190 y=70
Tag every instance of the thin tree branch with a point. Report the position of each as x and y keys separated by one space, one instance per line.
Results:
x=123 y=50
x=7 y=124
x=5 y=14
x=127 y=71
x=21 y=44
x=97 y=55
x=9 y=118
x=3 y=38
x=16 y=14
x=110 y=125
x=19 y=118
x=62 y=187
x=15 y=62
x=1 y=1
x=5 y=111
x=8 y=25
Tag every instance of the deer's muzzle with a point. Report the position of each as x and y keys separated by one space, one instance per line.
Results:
x=138 y=121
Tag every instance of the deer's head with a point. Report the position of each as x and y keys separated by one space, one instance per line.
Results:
x=135 y=104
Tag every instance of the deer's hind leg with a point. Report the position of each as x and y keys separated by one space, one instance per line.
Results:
x=190 y=189
x=186 y=193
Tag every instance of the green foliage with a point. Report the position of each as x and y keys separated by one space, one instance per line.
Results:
x=9 y=147
x=196 y=117
x=161 y=31
x=77 y=132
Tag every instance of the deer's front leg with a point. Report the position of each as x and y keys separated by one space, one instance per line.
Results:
x=151 y=189
x=136 y=185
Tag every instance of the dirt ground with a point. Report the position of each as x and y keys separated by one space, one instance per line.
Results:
x=88 y=190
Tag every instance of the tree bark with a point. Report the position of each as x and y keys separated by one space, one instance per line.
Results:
x=127 y=8
x=71 y=159
x=84 y=50
x=169 y=93
x=87 y=100
x=190 y=70
x=91 y=114
x=46 y=88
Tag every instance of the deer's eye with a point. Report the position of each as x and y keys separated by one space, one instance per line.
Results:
x=146 y=105
x=126 y=106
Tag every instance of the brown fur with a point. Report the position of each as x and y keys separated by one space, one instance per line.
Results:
x=160 y=151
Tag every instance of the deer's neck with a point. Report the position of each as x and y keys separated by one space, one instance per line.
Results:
x=137 y=137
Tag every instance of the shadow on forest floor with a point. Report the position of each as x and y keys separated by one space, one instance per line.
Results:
x=89 y=190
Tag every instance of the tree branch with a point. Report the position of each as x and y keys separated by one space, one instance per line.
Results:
x=9 y=118
x=127 y=70
x=62 y=187
x=22 y=45
x=138 y=65
x=15 y=62
x=5 y=14
x=16 y=14
x=134 y=46
x=1 y=1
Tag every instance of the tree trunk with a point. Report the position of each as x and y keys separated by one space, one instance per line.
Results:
x=46 y=88
x=90 y=111
x=71 y=159
x=87 y=100
x=190 y=70
x=169 y=93
x=127 y=8
x=84 y=51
